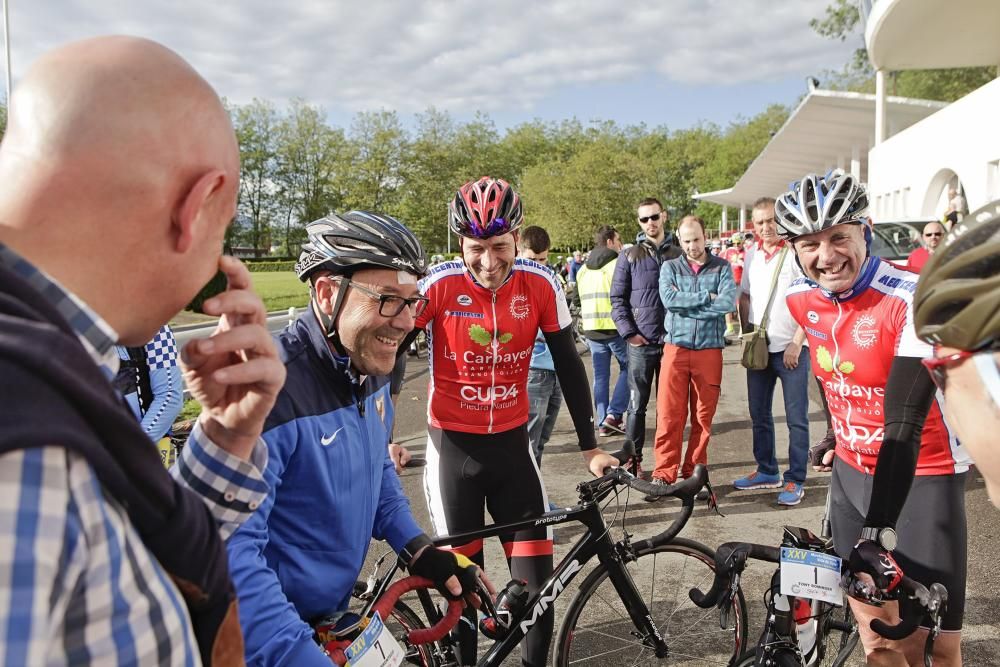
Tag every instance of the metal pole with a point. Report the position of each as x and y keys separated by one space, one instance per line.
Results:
x=6 y=49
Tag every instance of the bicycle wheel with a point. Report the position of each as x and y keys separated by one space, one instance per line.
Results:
x=400 y=622
x=839 y=649
x=597 y=629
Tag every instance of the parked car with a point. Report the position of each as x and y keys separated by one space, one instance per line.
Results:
x=895 y=241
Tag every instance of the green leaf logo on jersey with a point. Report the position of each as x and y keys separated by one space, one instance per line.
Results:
x=826 y=362
x=484 y=337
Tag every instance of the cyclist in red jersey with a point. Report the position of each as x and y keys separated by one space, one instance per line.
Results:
x=481 y=321
x=857 y=312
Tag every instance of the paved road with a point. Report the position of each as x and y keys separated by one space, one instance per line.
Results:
x=750 y=516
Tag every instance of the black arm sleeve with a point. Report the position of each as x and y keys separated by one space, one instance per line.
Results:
x=909 y=392
x=575 y=385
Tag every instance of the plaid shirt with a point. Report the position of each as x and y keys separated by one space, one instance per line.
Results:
x=77 y=585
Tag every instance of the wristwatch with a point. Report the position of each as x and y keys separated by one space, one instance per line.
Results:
x=884 y=537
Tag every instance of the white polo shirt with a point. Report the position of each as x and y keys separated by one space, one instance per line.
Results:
x=758 y=271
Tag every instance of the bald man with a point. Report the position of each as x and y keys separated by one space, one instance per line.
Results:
x=120 y=172
x=931 y=237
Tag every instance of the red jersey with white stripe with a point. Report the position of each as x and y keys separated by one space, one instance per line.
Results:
x=852 y=340
x=481 y=341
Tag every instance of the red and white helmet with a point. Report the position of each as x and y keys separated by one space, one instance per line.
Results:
x=485 y=208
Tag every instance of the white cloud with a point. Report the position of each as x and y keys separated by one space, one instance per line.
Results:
x=463 y=55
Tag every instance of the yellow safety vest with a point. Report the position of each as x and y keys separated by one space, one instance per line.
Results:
x=594 y=286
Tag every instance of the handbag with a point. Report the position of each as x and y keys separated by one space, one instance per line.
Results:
x=755 y=355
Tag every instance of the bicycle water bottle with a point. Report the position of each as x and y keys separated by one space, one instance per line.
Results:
x=510 y=602
x=805 y=630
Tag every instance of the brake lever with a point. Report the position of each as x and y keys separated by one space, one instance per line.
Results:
x=713 y=500
x=726 y=603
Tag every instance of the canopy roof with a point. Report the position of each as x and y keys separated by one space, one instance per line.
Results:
x=826 y=130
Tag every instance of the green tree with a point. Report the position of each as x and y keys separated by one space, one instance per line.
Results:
x=256 y=126
x=380 y=149
x=430 y=177
x=3 y=119
x=842 y=21
x=312 y=158
x=599 y=184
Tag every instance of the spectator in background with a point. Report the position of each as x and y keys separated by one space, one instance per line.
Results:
x=638 y=312
x=150 y=380
x=956 y=207
x=544 y=394
x=771 y=266
x=734 y=254
x=931 y=238
x=697 y=291
x=594 y=289
x=574 y=266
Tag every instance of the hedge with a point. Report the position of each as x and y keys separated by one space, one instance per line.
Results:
x=261 y=267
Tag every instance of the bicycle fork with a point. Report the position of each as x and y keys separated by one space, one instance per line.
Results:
x=645 y=629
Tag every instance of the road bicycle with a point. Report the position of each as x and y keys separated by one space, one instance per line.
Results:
x=796 y=630
x=630 y=609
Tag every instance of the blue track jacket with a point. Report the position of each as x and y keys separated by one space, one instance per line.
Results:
x=693 y=320
x=333 y=488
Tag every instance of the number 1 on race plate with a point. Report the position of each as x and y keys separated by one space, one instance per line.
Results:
x=375 y=647
x=808 y=574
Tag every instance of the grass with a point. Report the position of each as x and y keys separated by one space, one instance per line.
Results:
x=280 y=290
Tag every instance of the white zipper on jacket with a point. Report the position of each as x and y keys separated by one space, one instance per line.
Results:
x=493 y=365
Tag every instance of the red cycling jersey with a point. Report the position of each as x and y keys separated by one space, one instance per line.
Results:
x=853 y=339
x=735 y=257
x=480 y=343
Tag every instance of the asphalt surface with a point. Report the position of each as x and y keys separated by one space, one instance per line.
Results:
x=751 y=516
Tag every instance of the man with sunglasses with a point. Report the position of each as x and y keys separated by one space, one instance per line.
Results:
x=638 y=312
x=333 y=486
x=857 y=313
x=957 y=302
x=932 y=234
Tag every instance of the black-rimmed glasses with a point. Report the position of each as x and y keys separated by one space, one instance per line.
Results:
x=390 y=305
x=654 y=217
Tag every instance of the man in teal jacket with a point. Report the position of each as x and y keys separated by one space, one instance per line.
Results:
x=697 y=290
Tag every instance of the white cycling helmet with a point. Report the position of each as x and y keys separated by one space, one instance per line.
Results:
x=816 y=203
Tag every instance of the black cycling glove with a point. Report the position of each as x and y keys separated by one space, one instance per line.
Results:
x=819 y=450
x=439 y=565
x=873 y=560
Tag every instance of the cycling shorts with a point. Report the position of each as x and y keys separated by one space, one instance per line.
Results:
x=931 y=529
x=467 y=471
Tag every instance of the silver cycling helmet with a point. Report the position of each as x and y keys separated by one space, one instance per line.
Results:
x=356 y=240
x=816 y=203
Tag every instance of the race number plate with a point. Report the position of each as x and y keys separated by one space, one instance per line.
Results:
x=808 y=574
x=375 y=647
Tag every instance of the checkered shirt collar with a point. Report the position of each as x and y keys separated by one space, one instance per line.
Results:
x=96 y=335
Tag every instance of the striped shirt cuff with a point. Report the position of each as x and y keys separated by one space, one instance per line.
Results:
x=231 y=487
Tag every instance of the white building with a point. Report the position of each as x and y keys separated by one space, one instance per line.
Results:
x=910 y=172
x=910 y=152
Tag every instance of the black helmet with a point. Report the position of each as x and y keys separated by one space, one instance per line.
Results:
x=356 y=240
x=958 y=295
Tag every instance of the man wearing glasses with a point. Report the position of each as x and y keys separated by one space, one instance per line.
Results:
x=333 y=486
x=932 y=234
x=857 y=312
x=638 y=312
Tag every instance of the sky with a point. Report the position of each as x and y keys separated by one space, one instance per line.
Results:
x=661 y=62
